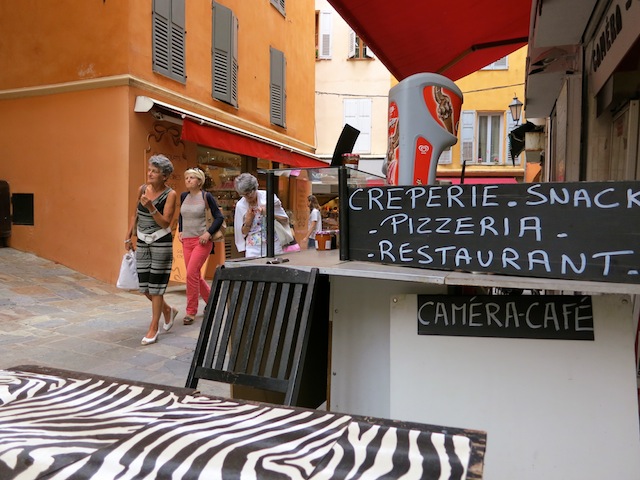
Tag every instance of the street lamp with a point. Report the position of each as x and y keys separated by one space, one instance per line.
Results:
x=516 y=109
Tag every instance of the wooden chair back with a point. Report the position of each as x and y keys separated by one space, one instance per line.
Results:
x=255 y=328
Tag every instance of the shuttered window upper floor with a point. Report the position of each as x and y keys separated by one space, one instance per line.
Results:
x=168 y=39
x=224 y=48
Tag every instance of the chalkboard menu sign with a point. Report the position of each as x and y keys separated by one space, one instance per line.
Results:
x=580 y=231
x=563 y=317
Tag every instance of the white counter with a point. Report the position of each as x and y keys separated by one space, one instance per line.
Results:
x=551 y=408
x=329 y=263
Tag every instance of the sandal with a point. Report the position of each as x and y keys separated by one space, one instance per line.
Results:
x=174 y=314
x=187 y=320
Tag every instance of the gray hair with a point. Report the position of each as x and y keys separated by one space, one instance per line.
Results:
x=162 y=163
x=245 y=183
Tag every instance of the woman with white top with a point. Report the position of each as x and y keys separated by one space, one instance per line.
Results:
x=250 y=219
x=314 y=224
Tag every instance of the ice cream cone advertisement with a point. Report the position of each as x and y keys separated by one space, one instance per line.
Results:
x=444 y=105
x=393 y=145
x=424 y=114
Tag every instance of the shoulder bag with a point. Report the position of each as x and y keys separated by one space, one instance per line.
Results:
x=218 y=236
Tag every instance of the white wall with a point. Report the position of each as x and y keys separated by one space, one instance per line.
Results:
x=339 y=78
x=360 y=378
x=552 y=409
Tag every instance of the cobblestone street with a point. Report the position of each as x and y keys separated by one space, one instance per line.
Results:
x=53 y=316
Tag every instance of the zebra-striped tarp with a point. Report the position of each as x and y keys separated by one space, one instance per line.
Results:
x=59 y=427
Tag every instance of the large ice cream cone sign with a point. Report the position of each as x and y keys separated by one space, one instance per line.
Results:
x=424 y=114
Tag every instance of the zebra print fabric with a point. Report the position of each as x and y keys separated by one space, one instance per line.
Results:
x=89 y=428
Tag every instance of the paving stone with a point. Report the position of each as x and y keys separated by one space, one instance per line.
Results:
x=53 y=316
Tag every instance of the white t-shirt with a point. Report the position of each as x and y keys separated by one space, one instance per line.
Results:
x=254 y=243
x=315 y=216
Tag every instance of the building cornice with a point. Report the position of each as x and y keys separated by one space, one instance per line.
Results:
x=155 y=90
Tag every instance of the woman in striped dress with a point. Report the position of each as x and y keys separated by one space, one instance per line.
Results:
x=154 y=246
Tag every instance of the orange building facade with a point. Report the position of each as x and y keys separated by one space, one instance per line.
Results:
x=74 y=143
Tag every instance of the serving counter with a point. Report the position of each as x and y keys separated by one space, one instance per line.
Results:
x=551 y=407
x=512 y=309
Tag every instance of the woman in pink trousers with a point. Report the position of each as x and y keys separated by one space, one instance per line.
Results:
x=196 y=237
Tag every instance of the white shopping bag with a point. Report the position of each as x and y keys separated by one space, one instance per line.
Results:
x=128 y=278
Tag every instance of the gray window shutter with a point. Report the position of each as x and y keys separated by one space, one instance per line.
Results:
x=466 y=135
x=225 y=55
x=352 y=43
x=445 y=157
x=325 y=35
x=368 y=52
x=357 y=113
x=278 y=93
x=178 y=34
x=500 y=64
x=280 y=5
x=168 y=38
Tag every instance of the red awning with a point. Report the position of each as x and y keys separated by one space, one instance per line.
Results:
x=232 y=142
x=478 y=180
x=452 y=38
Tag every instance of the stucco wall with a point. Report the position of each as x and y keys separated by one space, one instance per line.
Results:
x=492 y=91
x=71 y=151
x=339 y=78
x=47 y=43
x=71 y=71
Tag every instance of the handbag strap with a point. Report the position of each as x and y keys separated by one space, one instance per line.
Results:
x=205 y=196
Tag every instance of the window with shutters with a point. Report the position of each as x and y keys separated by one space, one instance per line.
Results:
x=357 y=48
x=323 y=35
x=445 y=157
x=489 y=143
x=357 y=113
x=468 y=118
x=224 y=47
x=277 y=97
x=168 y=39
x=482 y=138
x=279 y=4
x=501 y=64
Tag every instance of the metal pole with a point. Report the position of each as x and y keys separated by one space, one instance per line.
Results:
x=270 y=215
x=343 y=192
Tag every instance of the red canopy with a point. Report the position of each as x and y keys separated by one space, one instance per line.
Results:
x=451 y=38
x=479 y=180
x=233 y=142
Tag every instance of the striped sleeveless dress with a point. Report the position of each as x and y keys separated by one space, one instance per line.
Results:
x=154 y=260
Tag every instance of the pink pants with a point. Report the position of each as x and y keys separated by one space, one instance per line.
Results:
x=195 y=255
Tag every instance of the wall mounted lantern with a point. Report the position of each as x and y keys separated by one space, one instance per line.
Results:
x=516 y=109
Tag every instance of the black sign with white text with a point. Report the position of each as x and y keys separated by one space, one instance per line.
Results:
x=562 y=317
x=580 y=231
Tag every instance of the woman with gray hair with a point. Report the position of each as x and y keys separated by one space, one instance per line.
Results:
x=250 y=226
x=154 y=246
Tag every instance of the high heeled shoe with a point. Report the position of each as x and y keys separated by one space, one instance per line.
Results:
x=167 y=326
x=149 y=341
